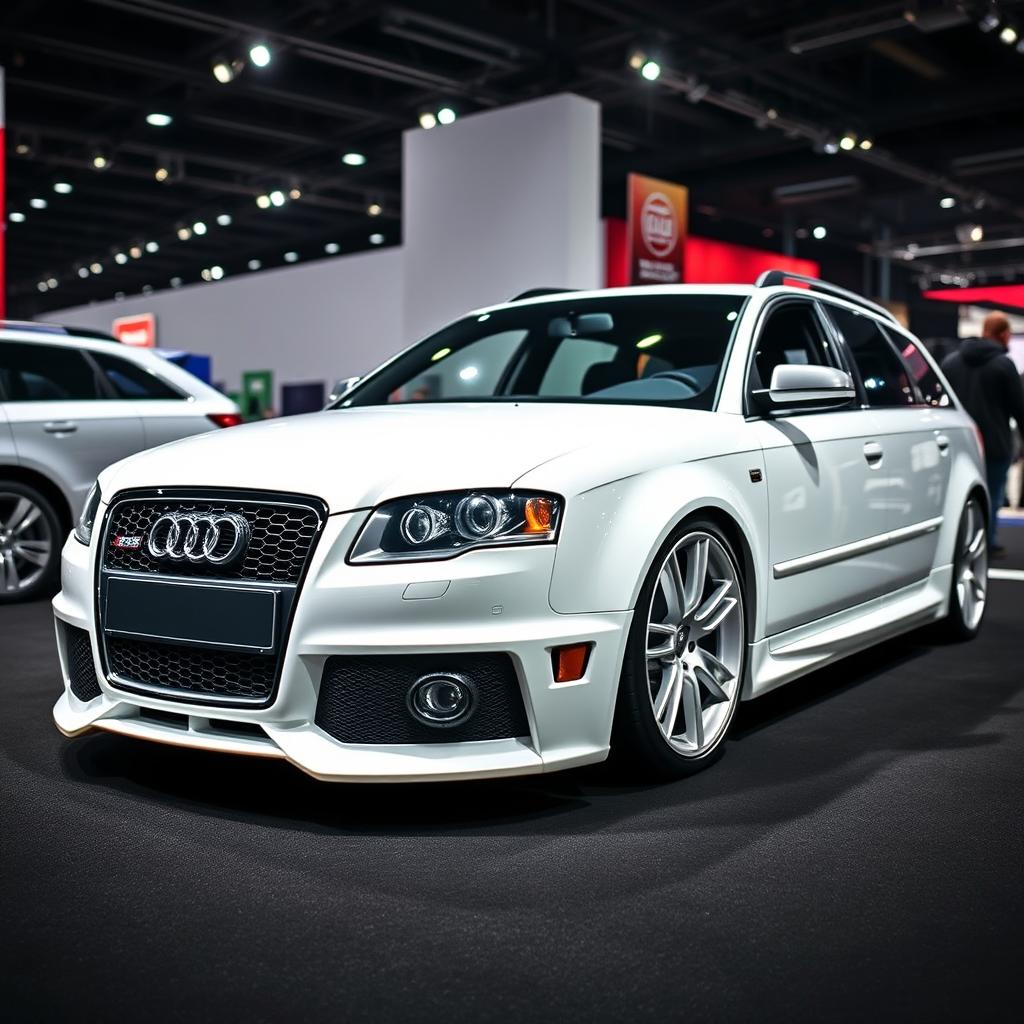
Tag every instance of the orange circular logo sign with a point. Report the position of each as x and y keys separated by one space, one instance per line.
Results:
x=658 y=226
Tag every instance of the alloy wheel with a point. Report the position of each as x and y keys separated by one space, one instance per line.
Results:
x=972 y=566
x=26 y=542
x=695 y=638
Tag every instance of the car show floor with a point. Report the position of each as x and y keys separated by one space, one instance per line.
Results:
x=857 y=853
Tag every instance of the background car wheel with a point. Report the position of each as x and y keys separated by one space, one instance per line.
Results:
x=29 y=543
x=969 y=588
x=685 y=657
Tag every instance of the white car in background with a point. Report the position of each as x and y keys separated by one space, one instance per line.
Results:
x=575 y=523
x=72 y=402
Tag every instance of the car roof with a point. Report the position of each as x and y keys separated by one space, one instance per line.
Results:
x=36 y=328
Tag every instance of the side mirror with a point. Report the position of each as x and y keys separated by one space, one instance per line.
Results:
x=800 y=385
x=342 y=387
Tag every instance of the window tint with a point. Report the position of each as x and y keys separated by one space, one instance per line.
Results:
x=885 y=377
x=129 y=380
x=791 y=336
x=44 y=373
x=581 y=366
x=926 y=379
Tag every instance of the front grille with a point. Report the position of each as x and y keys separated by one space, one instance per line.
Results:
x=363 y=699
x=202 y=673
x=282 y=536
x=81 y=671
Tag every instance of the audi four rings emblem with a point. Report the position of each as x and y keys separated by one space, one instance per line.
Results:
x=218 y=539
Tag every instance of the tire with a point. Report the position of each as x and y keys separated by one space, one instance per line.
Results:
x=683 y=666
x=30 y=542
x=969 y=588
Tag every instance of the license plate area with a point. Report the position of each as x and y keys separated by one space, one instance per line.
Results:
x=206 y=614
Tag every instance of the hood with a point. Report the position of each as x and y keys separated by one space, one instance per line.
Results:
x=357 y=458
x=978 y=351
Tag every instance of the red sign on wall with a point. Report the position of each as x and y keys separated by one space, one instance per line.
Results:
x=657 y=230
x=139 y=330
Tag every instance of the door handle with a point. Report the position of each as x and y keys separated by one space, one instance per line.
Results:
x=943 y=442
x=60 y=427
x=873 y=453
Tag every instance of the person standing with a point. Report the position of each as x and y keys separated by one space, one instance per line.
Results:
x=986 y=381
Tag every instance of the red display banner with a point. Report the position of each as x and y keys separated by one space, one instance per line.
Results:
x=657 y=230
x=139 y=330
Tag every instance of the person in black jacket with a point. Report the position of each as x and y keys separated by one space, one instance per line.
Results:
x=986 y=381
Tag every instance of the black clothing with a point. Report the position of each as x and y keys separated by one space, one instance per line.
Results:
x=986 y=382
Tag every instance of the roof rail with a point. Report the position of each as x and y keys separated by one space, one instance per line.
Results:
x=42 y=327
x=534 y=293
x=771 y=278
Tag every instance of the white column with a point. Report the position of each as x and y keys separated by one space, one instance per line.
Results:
x=497 y=203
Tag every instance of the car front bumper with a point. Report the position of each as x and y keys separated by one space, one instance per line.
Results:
x=495 y=601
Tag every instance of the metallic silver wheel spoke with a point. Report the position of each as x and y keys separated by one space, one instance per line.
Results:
x=696 y=574
x=716 y=695
x=668 y=696
x=711 y=613
x=693 y=712
x=35 y=551
x=668 y=646
x=9 y=572
x=971 y=569
x=26 y=542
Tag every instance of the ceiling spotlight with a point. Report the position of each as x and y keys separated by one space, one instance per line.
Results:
x=16 y=217
x=205 y=274
x=37 y=203
x=819 y=231
x=651 y=70
x=51 y=282
x=376 y=238
x=1009 y=35
x=216 y=272
x=977 y=233
x=331 y=248
x=226 y=71
x=830 y=146
x=159 y=120
x=866 y=144
x=295 y=193
x=947 y=202
x=374 y=210
x=184 y=233
x=224 y=219
x=152 y=247
x=290 y=257
x=96 y=268
x=175 y=282
x=772 y=114
x=147 y=289
x=263 y=202
x=848 y=141
x=446 y=115
x=22 y=149
x=428 y=119
x=62 y=188
x=353 y=159
x=83 y=271
x=161 y=174
x=199 y=228
x=800 y=232
x=135 y=252
x=254 y=264
x=100 y=160
x=120 y=259
x=989 y=22
x=277 y=197
x=42 y=286
x=260 y=55
x=636 y=59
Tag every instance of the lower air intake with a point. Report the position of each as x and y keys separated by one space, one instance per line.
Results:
x=81 y=671
x=365 y=699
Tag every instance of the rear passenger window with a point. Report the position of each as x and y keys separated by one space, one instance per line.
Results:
x=130 y=380
x=792 y=335
x=44 y=373
x=886 y=383
x=926 y=379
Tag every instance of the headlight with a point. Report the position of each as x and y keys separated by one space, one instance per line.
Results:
x=445 y=525
x=83 y=528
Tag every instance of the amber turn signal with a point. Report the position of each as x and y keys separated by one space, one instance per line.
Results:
x=538 y=513
x=569 y=663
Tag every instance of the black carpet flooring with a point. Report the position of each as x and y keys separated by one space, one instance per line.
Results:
x=857 y=854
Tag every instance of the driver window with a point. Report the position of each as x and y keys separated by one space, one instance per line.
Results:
x=792 y=335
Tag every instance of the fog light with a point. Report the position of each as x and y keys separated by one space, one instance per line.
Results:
x=442 y=700
x=569 y=663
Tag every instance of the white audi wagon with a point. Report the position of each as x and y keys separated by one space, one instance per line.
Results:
x=574 y=523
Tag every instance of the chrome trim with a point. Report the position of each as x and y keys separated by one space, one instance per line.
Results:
x=858 y=547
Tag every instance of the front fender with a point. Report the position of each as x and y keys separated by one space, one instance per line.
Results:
x=611 y=533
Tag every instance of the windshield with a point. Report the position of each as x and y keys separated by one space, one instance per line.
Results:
x=637 y=349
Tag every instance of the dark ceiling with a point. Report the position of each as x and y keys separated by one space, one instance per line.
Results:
x=753 y=97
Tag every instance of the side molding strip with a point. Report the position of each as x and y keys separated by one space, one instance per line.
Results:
x=859 y=547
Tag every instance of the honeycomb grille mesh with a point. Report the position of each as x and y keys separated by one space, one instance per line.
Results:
x=363 y=699
x=81 y=671
x=226 y=676
x=282 y=538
